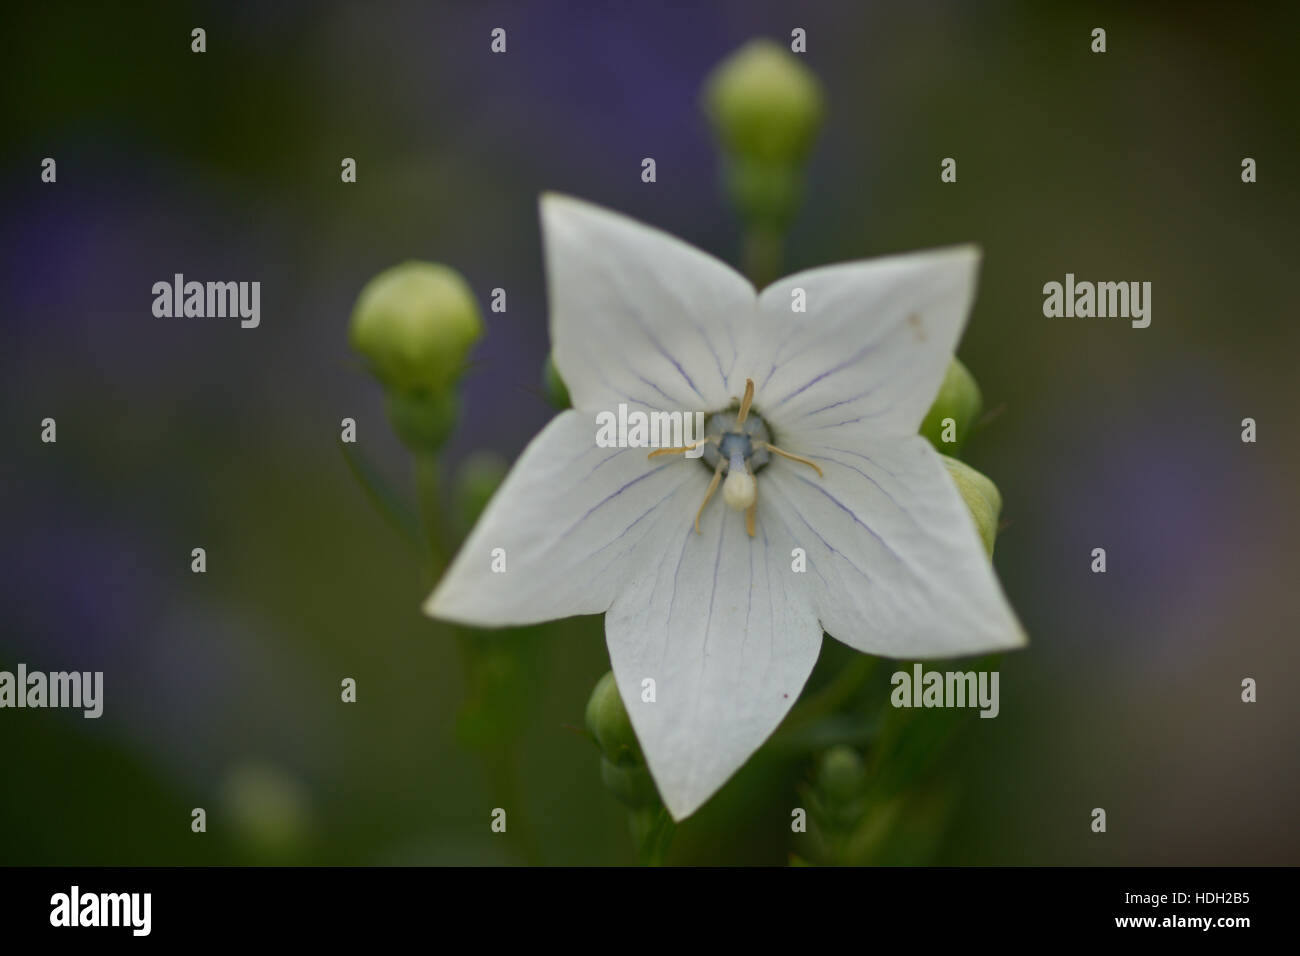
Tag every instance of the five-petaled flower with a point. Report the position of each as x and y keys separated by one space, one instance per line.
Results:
x=812 y=428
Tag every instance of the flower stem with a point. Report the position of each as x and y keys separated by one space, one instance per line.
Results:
x=652 y=832
x=500 y=761
x=428 y=489
x=761 y=254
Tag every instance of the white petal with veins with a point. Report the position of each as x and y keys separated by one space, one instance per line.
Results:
x=893 y=553
x=570 y=518
x=867 y=358
x=724 y=629
x=639 y=316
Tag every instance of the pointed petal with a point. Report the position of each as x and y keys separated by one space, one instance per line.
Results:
x=637 y=315
x=899 y=567
x=867 y=357
x=569 y=520
x=726 y=631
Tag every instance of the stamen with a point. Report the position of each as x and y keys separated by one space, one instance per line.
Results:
x=713 y=486
x=744 y=402
x=751 y=511
x=786 y=454
x=681 y=449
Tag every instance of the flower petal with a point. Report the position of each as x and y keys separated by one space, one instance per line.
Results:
x=894 y=557
x=569 y=519
x=867 y=357
x=726 y=631
x=637 y=315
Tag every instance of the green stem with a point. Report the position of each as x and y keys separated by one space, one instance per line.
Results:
x=428 y=489
x=391 y=507
x=652 y=833
x=501 y=763
x=761 y=255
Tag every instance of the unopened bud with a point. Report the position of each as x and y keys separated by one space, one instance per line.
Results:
x=415 y=324
x=955 y=411
x=981 y=496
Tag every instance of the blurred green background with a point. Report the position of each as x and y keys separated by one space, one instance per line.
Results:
x=222 y=689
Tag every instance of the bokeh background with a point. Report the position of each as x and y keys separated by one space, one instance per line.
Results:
x=222 y=688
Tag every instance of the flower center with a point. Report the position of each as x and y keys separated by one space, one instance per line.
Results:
x=738 y=445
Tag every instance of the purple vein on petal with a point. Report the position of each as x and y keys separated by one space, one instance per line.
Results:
x=685 y=309
x=848 y=511
x=708 y=622
x=610 y=497
x=826 y=544
x=676 y=402
x=771 y=605
x=867 y=458
x=845 y=464
x=630 y=309
x=653 y=508
x=790 y=532
x=856 y=357
x=672 y=601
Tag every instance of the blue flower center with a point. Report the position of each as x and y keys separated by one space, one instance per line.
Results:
x=735 y=445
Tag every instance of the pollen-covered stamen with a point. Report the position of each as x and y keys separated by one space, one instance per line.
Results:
x=713 y=486
x=682 y=449
x=768 y=446
x=745 y=402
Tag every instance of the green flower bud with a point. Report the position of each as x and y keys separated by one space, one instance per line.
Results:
x=981 y=496
x=557 y=393
x=764 y=105
x=841 y=774
x=477 y=481
x=422 y=419
x=415 y=324
x=630 y=784
x=267 y=810
x=608 y=723
x=959 y=399
x=766 y=109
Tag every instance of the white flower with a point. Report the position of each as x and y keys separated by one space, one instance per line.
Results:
x=721 y=620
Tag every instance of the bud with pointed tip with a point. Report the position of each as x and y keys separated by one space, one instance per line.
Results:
x=981 y=496
x=959 y=399
x=608 y=723
x=622 y=766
